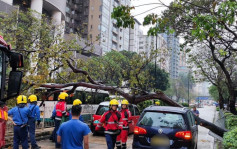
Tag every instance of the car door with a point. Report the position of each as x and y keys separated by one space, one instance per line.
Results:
x=194 y=128
x=131 y=125
x=136 y=115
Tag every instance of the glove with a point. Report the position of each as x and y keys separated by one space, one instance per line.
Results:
x=38 y=122
x=119 y=131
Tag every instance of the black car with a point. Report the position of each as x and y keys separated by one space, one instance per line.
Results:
x=163 y=127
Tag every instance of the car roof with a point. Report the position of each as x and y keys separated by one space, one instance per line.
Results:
x=167 y=109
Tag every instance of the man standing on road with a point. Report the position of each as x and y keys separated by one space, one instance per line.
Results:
x=20 y=115
x=195 y=111
x=3 y=121
x=74 y=133
x=61 y=110
x=112 y=123
x=34 y=115
x=126 y=118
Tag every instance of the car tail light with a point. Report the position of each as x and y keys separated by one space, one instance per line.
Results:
x=139 y=131
x=186 y=135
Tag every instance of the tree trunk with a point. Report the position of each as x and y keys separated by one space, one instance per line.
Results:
x=232 y=101
x=221 y=99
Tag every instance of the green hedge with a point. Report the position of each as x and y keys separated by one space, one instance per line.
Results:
x=230 y=137
x=217 y=108
x=185 y=104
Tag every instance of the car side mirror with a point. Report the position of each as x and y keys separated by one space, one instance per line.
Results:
x=16 y=60
x=14 y=83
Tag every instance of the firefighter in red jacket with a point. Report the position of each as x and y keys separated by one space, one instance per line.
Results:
x=126 y=118
x=112 y=124
x=3 y=121
x=61 y=108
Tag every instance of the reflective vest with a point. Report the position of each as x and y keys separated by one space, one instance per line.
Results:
x=112 y=122
x=60 y=110
x=3 y=114
x=126 y=118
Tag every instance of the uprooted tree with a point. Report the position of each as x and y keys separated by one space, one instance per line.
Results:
x=132 y=98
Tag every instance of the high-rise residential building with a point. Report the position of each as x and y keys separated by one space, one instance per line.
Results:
x=52 y=8
x=183 y=68
x=92 y=19
x=174 y=48
x=150 y=43
x=134 y=35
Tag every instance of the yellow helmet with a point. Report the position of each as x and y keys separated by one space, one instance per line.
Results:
x=125 y=102
x=114 y=102
x=77 y=102
x=21 y=99
x=32 y=98
x=62 y=96
x=157 y=103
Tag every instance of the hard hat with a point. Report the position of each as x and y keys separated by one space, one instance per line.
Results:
x=77 y=102
x=125 y=102
x=62 y=96
x=114 y=102
x=21 y=99
x=157 y=103
x=32 y=98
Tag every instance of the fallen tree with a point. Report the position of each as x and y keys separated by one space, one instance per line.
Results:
x=132 y=98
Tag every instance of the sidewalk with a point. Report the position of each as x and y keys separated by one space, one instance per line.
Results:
x=206 y=141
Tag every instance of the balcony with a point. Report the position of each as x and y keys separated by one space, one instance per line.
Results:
x=115 y=31
x=114 y=39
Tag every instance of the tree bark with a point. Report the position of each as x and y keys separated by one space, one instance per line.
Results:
x=221 y=99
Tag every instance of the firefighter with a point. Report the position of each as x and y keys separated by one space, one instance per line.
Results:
x=60 y=108
x=20 y=114
x=112 y=124
x=35 y=115
x=3 y=121
x=126 y=118
x=75 y=103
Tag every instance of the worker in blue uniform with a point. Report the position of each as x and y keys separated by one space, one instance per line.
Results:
x=34 y=115
x=75 y=103
x=20 y=115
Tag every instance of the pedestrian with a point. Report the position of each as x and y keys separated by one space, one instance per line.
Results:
x=53 y=135
x=34 y=115
x=20 y=114
x=112 y=122
x=3 y=121
x=74 y=133
x=61 y=110
x=126 y=118
x=76 y=102
x=195 y=111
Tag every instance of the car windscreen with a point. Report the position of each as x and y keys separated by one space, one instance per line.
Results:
x=102 y=109
x=163 y=119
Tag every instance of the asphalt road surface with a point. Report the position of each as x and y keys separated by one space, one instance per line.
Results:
x=95 y=142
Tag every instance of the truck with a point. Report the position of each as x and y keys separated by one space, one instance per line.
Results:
x=10 y=82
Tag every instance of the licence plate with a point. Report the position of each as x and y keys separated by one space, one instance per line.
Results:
x=160 y=141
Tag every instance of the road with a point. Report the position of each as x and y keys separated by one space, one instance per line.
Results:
x=204 y=140
x=95 y=142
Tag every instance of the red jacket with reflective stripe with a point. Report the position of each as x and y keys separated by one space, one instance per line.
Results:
x=126 y=117
x=112 y=121
x=61 y=109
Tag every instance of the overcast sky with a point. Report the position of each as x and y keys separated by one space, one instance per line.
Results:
x=145 y=8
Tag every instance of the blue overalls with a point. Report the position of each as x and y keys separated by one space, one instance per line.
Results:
x=20 y=118
x=34 y=115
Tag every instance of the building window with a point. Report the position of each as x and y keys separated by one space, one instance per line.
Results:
x=91 y=16
x=91 y=26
